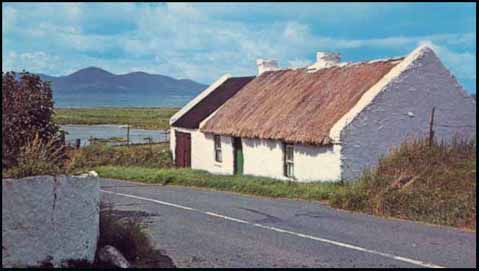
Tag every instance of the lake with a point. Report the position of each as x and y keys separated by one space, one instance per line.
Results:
x=137 y=136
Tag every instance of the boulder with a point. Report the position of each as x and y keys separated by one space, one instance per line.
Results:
x=49 y=220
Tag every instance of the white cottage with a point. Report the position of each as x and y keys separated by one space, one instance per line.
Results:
x=325 y=122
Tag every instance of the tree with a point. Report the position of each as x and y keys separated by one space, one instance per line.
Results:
x=27 y=110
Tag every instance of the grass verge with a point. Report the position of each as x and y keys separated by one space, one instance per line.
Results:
x=242 y=184
x=145 y=118
x=434 y=184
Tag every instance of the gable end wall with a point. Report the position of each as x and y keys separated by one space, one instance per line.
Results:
x=385 y=122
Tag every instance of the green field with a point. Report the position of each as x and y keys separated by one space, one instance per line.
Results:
x=145 y=118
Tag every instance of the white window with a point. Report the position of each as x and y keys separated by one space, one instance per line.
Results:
x=289 y=160
x=218 y=157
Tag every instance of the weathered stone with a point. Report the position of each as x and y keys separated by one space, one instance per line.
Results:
x=49 y=218
x=111 y=255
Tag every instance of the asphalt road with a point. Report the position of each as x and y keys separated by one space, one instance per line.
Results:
x=200 y=228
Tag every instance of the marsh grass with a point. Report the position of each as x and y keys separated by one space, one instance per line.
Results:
x=150 y=155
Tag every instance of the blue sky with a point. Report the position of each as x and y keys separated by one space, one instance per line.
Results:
x=202 y=41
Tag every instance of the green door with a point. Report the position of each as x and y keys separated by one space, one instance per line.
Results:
x=238 y=156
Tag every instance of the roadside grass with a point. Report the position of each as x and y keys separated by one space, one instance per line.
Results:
x=144 y=118
x=251 y=185
x=434 y=184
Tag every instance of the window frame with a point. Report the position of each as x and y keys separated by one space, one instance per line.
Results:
x=288 y=160
x=217 y=149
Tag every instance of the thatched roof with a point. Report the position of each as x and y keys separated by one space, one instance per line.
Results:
x=296 y=105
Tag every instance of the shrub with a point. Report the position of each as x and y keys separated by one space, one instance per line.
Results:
x=27 y=109
x=37 y=157
x=127 y=234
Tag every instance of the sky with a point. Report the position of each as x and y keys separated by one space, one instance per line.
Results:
x=203 y=41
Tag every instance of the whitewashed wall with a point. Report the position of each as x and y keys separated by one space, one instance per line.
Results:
x=311 y=163
x=264 y=158
x=51 y=219
x=402 y=110
x=321 y=163
x=203 y=154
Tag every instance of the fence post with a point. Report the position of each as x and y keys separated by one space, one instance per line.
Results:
x=431 y=131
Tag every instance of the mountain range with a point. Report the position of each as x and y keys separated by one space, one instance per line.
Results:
x=93 y=87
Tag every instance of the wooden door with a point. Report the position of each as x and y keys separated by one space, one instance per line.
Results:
x=182 y=149
x=238 y=156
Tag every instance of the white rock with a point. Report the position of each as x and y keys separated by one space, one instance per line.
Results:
x=109 y=254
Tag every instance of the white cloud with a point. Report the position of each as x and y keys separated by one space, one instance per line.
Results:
x=36 y=61
x=198 y=41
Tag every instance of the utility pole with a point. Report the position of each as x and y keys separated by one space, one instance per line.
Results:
x=128 y=134
x=431 y=131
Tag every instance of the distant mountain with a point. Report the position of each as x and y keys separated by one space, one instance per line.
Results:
x=131 y=89
x=93 y=79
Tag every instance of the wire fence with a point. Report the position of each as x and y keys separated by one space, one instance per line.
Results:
x=131 y=139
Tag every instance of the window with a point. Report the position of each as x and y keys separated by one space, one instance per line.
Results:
x=218 y=149
x=288 y=160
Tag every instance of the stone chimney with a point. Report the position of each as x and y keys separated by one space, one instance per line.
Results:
x=325 y=60
x=265 y=65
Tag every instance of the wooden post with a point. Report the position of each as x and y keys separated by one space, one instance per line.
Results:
x=77 y=143
x=128 y=134
x=431 y=124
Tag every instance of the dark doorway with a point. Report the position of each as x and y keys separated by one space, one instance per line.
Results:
x=238 y=156
x=182 y=149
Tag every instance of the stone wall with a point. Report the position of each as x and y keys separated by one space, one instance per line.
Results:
x=49 y=219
